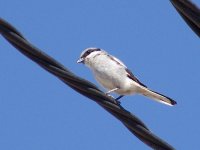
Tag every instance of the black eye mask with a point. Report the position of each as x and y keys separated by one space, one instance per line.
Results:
x=90 y=51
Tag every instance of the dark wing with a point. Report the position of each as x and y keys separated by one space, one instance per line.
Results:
x=129 y=73
x=131 y=76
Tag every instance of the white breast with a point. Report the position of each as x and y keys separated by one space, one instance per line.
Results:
x=111 y=74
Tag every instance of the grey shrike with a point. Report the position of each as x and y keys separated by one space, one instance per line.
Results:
x=112 y=74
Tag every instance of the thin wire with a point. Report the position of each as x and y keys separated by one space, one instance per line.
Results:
x=189 y=12
x=84 y=87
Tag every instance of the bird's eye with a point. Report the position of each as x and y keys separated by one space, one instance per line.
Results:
x=89 y=51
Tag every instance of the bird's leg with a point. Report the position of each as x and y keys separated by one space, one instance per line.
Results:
x=113 y=90
x=117 y=99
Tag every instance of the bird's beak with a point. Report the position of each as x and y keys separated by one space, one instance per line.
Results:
x=80 y=60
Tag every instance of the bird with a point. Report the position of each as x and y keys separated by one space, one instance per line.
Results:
x=114 y=76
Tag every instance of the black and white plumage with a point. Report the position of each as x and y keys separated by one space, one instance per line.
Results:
x=112 y=74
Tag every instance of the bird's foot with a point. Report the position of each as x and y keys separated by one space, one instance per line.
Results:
x=119 y=97
x=116 y=100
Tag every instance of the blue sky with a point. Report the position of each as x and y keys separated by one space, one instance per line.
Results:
x=37 y=111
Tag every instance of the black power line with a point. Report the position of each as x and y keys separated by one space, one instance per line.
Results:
x=189 y=12
x=134 y=125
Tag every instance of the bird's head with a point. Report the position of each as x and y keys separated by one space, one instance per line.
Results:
x=88 y=54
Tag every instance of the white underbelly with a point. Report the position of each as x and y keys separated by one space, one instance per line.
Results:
x=106 y=82
x=113 y=76
x=125 y=87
